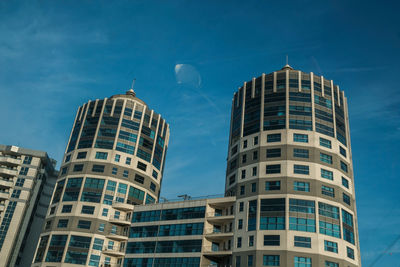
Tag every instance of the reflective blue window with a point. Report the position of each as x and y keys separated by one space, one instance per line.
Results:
x=301 y=169
x=56 y=248
x=303 y=138
x=331 y=246
x=271 y=260
x=325 y=142
x=302 y=262
x=301 y=186
x=302 y=241
x=327 y=174
x=273 y=138
x=272 y=214
x=325 y=158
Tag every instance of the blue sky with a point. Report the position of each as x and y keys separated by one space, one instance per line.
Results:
x=56 y=55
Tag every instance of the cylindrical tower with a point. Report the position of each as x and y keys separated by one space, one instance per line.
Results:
x=114 y=160
x=290 y=167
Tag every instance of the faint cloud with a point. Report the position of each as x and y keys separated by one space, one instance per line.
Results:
x=187 y=74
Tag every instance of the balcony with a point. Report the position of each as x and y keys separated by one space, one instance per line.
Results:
x=118 y=235
x=114 y=251
x=218 y=217
x=215 y=251
x=6 y=172
x=217 y=235
x=6 y=183
x=120 y=220
x=4 y=195
x=8 y=161
x=122 y=206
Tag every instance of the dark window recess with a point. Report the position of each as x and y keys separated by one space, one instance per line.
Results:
x=139 y=178
x=141 y=166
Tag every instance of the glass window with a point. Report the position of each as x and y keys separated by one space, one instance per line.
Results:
x=346 y=199
x=141 y=166
x=66 y=209
x=241 y=206
x=237 y=261
x=251 y=241
x=302 y=262
x=240 y=224
x=345 y=182
x=242 y=190
x=325 y=142
x=81 y=155
x=84 y=224
x=297 y=221
x=24 y=171
x=272 y=185
x=105 y=212
x=301 y=169
x=101 y=155
x=255 y=155
x=328 y=191
x=239 y=242
x=255 y=140
x=343 y=166
x=271 y=260
x=62 y=223
x=272 y=240
x=331 y=246
x=250 y=260
x=253 y=187
x=272 y=214
x=117 y=158
x=331 y=264
x=301 y=186
x=274 y=153
x=350 y=253
x=92 y=190
x=276 y=168
x=245 y=144
x=87 y=209
x=252 y=215
x=125 y=173
x=302 y=138
x=342 y=151
x=128 y=161
x=327 y=174
x=243 y=174
x=300 y=153
x=97 y=168
x=27 y=160
x=302 y=241
x=254 y=171
x=244 y=158
x=325 y=158
x=271 y=138
x=114 y=171
x=152 y=186
x=78 y=167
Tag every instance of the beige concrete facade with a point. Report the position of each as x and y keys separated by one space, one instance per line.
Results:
x=268 y=161
x=114 y=160
x=27 y=179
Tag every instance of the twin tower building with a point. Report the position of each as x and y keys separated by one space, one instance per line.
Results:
x=289 y=193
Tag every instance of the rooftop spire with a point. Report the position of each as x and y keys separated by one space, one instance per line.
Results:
x=131 y=91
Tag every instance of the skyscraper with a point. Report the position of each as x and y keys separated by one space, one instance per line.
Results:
x=27 y=179
x=290 y=168
x=114 y=160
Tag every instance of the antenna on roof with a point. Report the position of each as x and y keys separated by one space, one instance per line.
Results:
x=130 y=91
x=287 y=60
x=133 y=83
